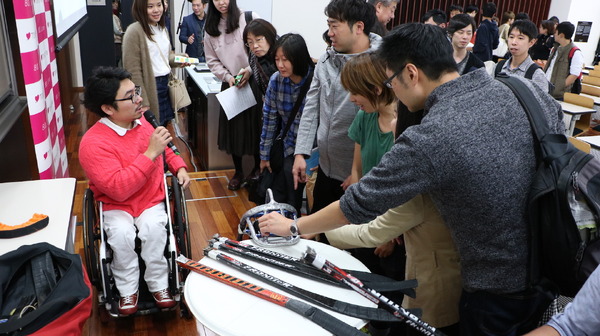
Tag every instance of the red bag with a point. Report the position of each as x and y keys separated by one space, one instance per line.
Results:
x=71 y=322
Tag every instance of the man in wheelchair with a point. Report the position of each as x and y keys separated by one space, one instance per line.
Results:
x=121 y=156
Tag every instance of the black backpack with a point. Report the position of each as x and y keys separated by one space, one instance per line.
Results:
x=563 y=204
x=531 y=69
x=43 y=287
x=528 y=74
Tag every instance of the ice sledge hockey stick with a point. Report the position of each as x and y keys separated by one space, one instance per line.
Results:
x=311 y=273
x=378 y=282
x=319 y=317
x=361 y=312
x=411 y=319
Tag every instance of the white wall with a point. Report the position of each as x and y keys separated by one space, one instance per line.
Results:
x=580 y=10
x=306 y=18
x=264 y=8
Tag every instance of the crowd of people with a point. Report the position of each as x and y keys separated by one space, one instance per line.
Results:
x=415 y=138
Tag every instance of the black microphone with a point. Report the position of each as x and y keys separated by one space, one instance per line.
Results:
x=152 y=120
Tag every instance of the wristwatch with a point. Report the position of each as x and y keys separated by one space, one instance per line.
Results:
x=294 y=228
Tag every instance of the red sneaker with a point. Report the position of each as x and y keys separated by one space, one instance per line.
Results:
x=128 y=304
x=164 y=299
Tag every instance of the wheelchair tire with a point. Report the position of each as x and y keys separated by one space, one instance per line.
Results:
x=91 y=238
x=180 y=224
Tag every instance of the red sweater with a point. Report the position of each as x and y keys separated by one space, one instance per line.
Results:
x=120 y=175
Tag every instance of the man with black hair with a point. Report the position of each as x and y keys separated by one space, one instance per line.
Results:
x=192 y=30
x=472 y=10
x=521 y=16
x=460 y=31
x=435 y=17
x=487 y=34
x=328 y=111
x=474 y=155
x=565 y=62
x=454 y=10
x=122 y=156
x=521 y=36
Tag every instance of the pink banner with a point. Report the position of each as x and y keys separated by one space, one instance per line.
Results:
x=36 y=41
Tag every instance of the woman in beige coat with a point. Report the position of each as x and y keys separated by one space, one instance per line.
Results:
x=147 y=55
x=431 y=256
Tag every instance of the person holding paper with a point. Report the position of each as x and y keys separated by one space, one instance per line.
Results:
x=226 y=59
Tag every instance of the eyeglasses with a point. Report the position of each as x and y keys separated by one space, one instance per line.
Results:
x=252 y=43
x=388 y=82
x=137 y=92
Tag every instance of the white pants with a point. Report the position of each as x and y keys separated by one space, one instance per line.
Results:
x=120 y=231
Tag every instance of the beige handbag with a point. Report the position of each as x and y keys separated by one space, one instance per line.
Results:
x=177 y=91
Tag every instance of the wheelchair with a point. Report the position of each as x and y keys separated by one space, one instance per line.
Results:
x=98 y=254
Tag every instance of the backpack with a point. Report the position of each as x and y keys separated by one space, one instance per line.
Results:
x=562 y=206
x=531 y=69
x=528 y=74
x=576 y=88
x=44 y=291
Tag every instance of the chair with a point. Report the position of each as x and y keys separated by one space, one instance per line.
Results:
x=594 y=73
x=98 y=254
x=581 y=145
x=591 y=90
x=591 y=80
x=584 y=122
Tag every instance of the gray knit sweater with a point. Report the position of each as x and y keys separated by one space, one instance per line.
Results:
x=473 y=153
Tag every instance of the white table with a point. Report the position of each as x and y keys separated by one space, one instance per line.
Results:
x=20 y=200
x=223 y=310
x=594 y=141
x=572 y=114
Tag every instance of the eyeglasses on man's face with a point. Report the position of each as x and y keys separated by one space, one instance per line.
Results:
x=137 y=92
x=388 y=82
x=251 y=44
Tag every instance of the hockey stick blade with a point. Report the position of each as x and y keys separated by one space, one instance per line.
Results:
x=361 y=312
x=319 y=317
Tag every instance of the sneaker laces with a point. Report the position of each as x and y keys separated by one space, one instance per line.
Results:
x=163 y=294
x=128 y=300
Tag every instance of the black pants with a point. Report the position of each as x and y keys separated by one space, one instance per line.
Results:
x=483 y=313
x=283 y=186
x=327 y=190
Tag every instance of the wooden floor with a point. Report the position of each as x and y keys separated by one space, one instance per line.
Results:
x=212 y=208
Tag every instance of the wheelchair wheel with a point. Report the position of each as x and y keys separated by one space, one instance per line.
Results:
x=91 y=238
x=180 y=224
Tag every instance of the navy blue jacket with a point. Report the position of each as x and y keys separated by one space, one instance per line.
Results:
x=192 y=25
x=486 y=40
